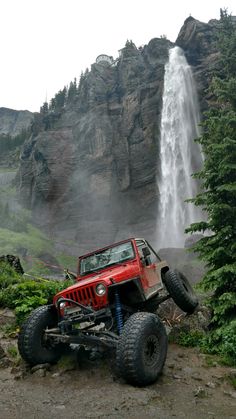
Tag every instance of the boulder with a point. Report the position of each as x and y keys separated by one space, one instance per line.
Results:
x=14 y=262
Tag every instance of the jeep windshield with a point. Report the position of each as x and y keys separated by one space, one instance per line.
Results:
x=111 y=256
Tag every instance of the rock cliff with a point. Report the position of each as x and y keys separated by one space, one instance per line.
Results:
x=13 y=122
x=199 y=42
x=91 y=175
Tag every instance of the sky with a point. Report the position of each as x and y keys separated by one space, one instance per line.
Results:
x=45 y=44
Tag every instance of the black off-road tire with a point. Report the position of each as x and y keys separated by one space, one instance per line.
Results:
x=142 y=349
x=32 y=347
x=181 y=291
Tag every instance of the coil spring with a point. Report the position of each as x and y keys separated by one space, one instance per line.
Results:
x=118 y=308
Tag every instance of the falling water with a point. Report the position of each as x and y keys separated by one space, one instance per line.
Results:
x=180 y=156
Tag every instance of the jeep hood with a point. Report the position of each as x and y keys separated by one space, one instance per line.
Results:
x=113 y=274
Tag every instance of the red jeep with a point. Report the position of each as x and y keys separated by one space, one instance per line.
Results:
x=111 y=306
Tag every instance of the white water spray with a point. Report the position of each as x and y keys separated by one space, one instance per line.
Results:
x=180 y=156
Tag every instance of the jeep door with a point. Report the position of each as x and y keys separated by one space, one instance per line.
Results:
x=150 y=272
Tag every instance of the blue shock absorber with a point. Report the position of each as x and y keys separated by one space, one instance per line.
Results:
x=119 y=317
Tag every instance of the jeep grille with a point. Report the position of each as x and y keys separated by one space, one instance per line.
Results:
x=87 y=297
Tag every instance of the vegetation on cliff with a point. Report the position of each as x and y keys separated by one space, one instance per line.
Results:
x=9 y=142
x=10 y=147
x=218 y=197
x=51 y=112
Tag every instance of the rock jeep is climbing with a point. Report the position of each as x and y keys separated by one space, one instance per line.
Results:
x=111 y=306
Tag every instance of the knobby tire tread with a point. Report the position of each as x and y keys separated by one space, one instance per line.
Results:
x=26 y=341
x=186 y=300
x=128 y=351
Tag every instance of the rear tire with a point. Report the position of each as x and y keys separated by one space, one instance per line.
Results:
x=142 y=349
x=31 y=344
x=181 y=291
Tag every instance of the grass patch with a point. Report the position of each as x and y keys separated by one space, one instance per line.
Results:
x=33 y=240
x=12 y=351
x=190 y=339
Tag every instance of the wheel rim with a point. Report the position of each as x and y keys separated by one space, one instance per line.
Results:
x=151 y=350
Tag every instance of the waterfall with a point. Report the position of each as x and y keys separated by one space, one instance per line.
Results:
x=180 y=156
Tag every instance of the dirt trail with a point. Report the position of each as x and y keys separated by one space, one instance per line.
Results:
x=188 y=388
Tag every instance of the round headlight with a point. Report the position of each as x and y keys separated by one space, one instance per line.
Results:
x=61 y=306
x=100 y=290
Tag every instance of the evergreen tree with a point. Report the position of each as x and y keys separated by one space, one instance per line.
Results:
x=72 y=91
x=44 y=109
x=218 y=197
x=130 y=44
x=60 y=99
x=52 y=105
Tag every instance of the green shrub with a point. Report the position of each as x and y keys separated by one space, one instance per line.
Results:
x=28 y=295
x=190 y=339
x=222 y=341
x=8 y=275
x=23 y=295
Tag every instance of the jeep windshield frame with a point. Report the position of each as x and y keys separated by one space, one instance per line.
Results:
x=104 y=258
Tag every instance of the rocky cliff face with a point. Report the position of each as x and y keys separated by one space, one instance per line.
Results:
x=199 y=42
x=13 y=122
x=14 y=130
x=91 y=177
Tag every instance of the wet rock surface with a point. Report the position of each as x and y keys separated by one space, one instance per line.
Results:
x=198 y=39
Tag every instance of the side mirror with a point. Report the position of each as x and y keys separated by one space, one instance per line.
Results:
x=146 y=252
